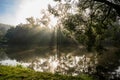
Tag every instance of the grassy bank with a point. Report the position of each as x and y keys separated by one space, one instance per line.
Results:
x=20 y=73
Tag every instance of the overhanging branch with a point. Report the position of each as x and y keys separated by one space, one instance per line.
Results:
x=114 y=6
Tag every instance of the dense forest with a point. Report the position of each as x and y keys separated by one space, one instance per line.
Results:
x=3 y=30
x=87 y=28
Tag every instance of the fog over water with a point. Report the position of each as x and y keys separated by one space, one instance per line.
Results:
x=47 y=62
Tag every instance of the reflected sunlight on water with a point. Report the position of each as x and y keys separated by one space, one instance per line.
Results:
x=65 y=64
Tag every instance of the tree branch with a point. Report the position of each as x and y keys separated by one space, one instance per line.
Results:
x=107 y=14
x=114 y=6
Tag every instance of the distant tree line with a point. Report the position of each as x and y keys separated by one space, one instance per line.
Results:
x=3 y=30
x=33 y=34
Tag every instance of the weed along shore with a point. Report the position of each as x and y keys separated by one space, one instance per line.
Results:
x=21 y=73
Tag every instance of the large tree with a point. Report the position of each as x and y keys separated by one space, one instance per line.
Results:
x=87 y=21
x=115 y=4
x=94 y=24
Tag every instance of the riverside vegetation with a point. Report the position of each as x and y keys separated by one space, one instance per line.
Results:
x=20 y=73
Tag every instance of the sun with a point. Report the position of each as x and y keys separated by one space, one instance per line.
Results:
x=28 y=8
x=53 y=22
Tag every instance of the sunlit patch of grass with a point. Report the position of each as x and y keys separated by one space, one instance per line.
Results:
x=21 y=73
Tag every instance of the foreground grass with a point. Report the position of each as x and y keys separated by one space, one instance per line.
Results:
x=20 y=73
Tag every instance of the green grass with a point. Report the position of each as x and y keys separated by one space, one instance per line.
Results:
x=20 y=73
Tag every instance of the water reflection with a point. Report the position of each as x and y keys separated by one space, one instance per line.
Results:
x=65 y=64
x=45 y=59
x=28 y=53
x=65 y=60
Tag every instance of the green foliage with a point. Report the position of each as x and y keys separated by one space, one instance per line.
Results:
x=28 y=34
x=3 y=30
x=88 y=23
x=96 y=26
x=87 y=77
x=20 y=73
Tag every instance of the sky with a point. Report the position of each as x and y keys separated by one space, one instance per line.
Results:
x=14 y=12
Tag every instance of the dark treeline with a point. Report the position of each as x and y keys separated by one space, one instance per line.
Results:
x=33 y=39
x=3 y=30
x=25 y=34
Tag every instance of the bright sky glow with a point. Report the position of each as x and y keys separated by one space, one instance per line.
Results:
x=15 y=11
x=53 y=21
